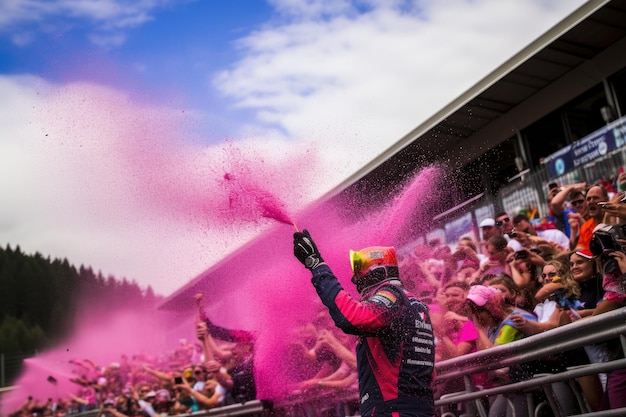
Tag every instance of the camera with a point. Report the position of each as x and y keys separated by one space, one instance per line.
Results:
x=606 y=239
x=178 y=380
x=521 y=254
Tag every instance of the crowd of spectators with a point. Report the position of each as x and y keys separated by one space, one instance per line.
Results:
x=527 y=274
x=524 y=274
x=214 y=371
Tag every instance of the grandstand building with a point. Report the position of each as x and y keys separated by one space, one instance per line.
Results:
x=556 y=111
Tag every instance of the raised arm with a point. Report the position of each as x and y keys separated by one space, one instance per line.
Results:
x=557 y=204
x=326 y=337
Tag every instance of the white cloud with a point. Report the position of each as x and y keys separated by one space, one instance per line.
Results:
x=362 y=81
x=60 y=15
x=306 y=9
x=108 y=40
x=104 y=180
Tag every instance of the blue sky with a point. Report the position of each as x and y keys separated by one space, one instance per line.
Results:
x=107 y=103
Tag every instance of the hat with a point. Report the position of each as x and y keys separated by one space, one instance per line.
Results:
x=151 y=394
x=584 y=252
x=480 y=294
x=488 y=223
x=163 y=394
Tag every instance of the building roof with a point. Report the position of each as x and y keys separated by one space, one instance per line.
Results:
x=573 y=56
x=576 y=54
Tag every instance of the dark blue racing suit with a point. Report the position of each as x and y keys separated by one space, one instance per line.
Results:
x=395 y=350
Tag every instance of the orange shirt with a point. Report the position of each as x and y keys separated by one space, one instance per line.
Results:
x=586 y=233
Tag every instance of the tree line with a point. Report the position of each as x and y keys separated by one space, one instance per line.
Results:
x=41 y=297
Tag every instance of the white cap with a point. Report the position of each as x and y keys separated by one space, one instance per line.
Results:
x=488 y=223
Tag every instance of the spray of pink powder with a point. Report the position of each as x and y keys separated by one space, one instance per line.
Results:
x=261 y=287
x=247 y=200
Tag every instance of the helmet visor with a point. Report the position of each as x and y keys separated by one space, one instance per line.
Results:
x=356 y=262
x=363 y=261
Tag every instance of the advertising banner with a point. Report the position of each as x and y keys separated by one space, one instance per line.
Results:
x=586 y=150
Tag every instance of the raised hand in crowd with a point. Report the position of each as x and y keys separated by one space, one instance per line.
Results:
x=207 y=398
x=326 y=337
x=614 y=209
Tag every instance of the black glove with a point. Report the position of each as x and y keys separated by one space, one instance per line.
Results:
x=305 y=250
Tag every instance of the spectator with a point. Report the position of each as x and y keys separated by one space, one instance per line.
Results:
x=203 y=399
x=614 y=285
x=465 y=253
x=504 y=224
x=488 y=230
x=240 y=363
x=144 y=398
x=492 y=317
x=595 y=195
x=466 y=271
x=559 y=207
x=559 y=287
x=345 y=375
x=466 y=242
x=584 y=270
x=456 y=335
x=505 y=284
x=496 y=263
x=560 y=296
x=524 y=272
x=523 y=224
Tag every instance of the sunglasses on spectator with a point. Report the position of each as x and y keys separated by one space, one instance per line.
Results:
x=577 y=202
x=501 y=222
x=198 y=371
x=549 y=274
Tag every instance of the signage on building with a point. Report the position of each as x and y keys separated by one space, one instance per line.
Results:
x=587 y=149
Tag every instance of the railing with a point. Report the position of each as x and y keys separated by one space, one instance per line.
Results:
x=584 y=332
x=589 y=331
x=250 y=408
x=581 y=333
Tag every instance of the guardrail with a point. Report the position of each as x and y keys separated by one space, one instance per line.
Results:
x=589 y=331
x=584 y=332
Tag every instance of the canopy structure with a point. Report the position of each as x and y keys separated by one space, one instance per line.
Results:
x=578 y=53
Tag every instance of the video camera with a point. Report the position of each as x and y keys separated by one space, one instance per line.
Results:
x=606 y=239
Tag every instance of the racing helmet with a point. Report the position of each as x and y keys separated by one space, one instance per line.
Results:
x=373 y=265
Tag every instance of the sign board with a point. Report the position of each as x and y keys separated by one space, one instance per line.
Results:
x=586 y=150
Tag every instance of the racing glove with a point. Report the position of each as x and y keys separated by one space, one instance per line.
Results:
x=305 y=250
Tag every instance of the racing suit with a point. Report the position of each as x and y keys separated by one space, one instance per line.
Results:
x=395 y=347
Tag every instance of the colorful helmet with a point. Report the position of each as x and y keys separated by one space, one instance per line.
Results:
x=365 y=260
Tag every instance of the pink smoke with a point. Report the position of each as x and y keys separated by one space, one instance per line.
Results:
x=263 y=288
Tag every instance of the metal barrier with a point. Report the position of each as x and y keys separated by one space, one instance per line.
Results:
x=589 y=331
x=584 y=332
x=250 y=408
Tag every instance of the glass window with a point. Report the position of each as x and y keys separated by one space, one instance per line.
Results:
x=544 y=137
x=619 y=85
x=583 y=113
